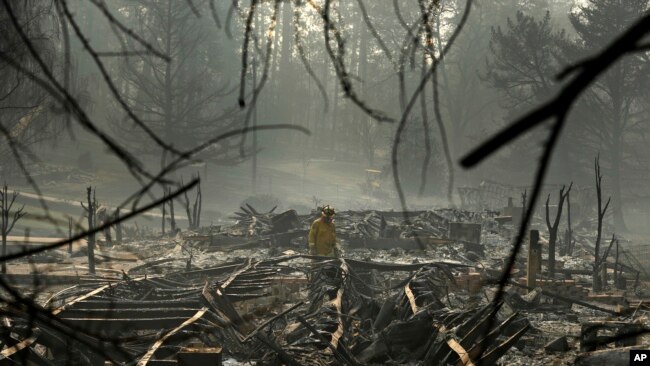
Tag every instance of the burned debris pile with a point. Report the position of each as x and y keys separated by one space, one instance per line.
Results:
x=291 y=309
x=416 y=291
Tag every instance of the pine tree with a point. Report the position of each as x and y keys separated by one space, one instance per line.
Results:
x=612 y=106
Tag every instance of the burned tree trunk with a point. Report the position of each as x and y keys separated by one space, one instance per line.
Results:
x=8 y=223
x=597 y=283
x=197 y=210
x=616 y=281
x=553 y=228
x=70 y=234
x=172 y=219
x=91 y=212
x=118 y=227
x=567 y=248
x=193 y=212
x=163 y=213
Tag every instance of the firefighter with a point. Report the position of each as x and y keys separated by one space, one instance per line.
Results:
x=322 y=235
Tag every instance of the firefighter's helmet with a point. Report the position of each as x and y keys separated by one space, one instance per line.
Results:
x=328 y=211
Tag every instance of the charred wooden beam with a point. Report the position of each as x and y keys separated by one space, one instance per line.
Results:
x=119 y=304
x=564 y=298
x=134 y=313
x=152 y=350
x=497 y=352
x=121 y=325
x=19 y=346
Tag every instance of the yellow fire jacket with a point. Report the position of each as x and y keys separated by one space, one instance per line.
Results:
x=322 y=237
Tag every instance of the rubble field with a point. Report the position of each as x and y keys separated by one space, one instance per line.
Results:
x=410 y=288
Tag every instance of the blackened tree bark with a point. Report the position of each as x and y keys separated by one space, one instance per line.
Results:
x=193 y=211
x=91 y=213
x=553 y=228
x=8 y=221
x=172 y=218
x=118 y=227
x=597 y=283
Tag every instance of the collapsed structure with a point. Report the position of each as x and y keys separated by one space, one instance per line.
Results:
x=414 y=291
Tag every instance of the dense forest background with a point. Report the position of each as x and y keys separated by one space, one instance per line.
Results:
x=177 y=69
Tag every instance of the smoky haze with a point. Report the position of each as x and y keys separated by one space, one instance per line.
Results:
x=158 y=77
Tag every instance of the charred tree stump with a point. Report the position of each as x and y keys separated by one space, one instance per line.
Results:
x=534 y=258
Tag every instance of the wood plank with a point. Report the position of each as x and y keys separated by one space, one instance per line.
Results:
x=88 y=295
x=135 y=313
x=411 y=298
x=79 y=299
x=117 y=325
x=337 y=302
x=10 y=351
x=145 y=359
x=131 y=304
x=460 y=351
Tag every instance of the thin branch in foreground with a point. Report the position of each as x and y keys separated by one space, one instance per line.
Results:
x=409 y=106
x=215 y=16
x=188 y=154
x=303 y=57
x=337 y=58
x=111 y=86
x=257 y=89
x=537 y=188
x=63 y=96
x=244 y=53
x=151 y=49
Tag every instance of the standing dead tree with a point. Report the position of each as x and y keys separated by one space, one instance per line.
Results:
x=597 y=284
x=552 y=229
x=8 y=223
x=567 y=248
x=91 y=213
x=163 y=212
x=118 y=227
x=172 y=219
x=70 y=234
x=194 y=211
